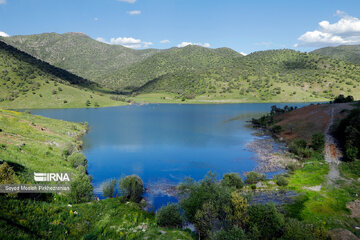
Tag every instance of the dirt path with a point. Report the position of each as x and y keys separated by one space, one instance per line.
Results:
x=332 y=154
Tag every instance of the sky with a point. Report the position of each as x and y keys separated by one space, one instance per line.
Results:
x=243 y=25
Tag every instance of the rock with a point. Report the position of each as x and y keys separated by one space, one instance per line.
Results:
x=358 y=179
x=271 y=182
x=354 y=207
x=260 y=185
x=162 y=232
x=342 y=234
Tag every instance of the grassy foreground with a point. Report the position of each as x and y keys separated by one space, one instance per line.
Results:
x=30 y=144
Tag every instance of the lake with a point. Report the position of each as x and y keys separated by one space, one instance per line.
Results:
x=164 y=143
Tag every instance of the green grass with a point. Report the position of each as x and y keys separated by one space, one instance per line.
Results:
x=105 y=219
x=328 y=206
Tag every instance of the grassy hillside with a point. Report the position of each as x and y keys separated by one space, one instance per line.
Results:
x=269 y=76
x=196 y=73
x=78 y=53
x=347 y=53
x=36 y=144
x=27 y=82
x=174 y=64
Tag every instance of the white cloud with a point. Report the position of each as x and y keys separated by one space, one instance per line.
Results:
x=345 y=31
x=2 y=1
x=184 y=44
x=164 y=41
x=4 y=34
x=126 y=42
x=242 y=53
x=135 y=12
x=128 y=1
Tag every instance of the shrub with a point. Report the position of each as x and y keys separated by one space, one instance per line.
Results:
x=318 y=141
x=232 y=180
x=254 y=177
x=87 y=103
x=351 y=153
x=271 y=226
x=276 y=129
x=81 y=189
x=169 y=216
x=281 y=181
x=77 y=159
x=108 y=188
x=231 y=234
x=296 y=230
x=8 y=176
x=132 y=187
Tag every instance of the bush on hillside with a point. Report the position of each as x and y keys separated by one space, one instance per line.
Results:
x=169 y=216
x=108 y=188
x=132 y=188
x=77 y=159
x=276 y=129
x=318 y=141
x=254 y=177
x=81 y=189
x=342 y=99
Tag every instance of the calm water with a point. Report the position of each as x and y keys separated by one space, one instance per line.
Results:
x=163 y=143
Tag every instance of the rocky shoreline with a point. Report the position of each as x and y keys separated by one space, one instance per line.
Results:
x=272 y=156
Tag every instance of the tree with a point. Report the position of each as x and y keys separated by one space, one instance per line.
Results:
x=205 y=219
x=169 y=216
x=254 y=177
x=237 y=213
x=318 y=141
x=87 y=103
x=132 y=187
x=232 y=180
x=108 y=188
x=81 y=189
x=267 y=220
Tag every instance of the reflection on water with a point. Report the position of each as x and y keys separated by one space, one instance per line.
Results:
x=165 y=142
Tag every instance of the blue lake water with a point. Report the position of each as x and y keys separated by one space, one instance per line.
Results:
x=164 y=143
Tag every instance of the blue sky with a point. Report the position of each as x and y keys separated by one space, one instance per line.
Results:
x=244 y=25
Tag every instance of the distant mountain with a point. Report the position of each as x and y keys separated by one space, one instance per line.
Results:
x=347 y=53
x=27 y=82
x=198 y=72
x=78 y=53
x=174 y=61
x=274 y=75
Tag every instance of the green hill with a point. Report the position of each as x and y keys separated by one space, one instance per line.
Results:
x=170 y=62
x=347 y=53
x=196 y=73
x=78 y=53
x=275 y=75
x=27 y=82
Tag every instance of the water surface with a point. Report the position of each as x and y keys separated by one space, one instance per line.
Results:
x=163 y=143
